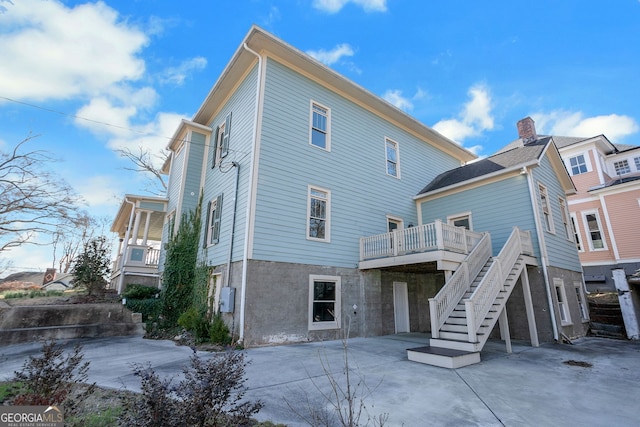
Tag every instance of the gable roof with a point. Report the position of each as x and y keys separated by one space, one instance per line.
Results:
x=259 y=41
x=517 y=156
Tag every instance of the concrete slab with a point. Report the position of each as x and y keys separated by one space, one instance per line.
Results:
x=529 y=387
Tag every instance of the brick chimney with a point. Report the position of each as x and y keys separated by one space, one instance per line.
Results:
x=527 y=130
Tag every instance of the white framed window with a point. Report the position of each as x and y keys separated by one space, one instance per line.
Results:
x=584 y=310
x=622 y=167
x=566 y=220
x=561 y=297
x=221 y=141
x=320 y=129
x=394 y=223
x=392 y=158
x=461 y=220
x=577 y=164
x=324 y=302
x=171 y=223
x=319 y=214
x=593 y=229
x=637 y=162
x=214 y=216
x=576 y=233
x=547 y=219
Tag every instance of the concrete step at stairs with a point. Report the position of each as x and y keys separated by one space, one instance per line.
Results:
x=443 y=357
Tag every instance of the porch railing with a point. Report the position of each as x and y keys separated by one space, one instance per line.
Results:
x=445 y=301
x=138 y=256
x=423 y=238
x=477 y=306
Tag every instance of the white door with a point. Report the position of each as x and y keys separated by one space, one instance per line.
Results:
x=401 y=306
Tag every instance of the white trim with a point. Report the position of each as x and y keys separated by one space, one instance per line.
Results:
x=566 y=218
x=587 y=231
x=607 y=222
x=548 y=215
x=327 y=131
x=386 y=158
x=585 y=158
x=461 y=215
x=335 y=324
x=582 y=301
x=576 y=231
x=327 y=218
x=561 y=302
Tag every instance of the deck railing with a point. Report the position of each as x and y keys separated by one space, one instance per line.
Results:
x=137 y=256
x=441 y=306
x=423 y=238
x=477 y=306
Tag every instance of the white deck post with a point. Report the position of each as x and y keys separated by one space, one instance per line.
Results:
x=528 y=305
x=433 y=311
x=626 y=304
x=503 y=321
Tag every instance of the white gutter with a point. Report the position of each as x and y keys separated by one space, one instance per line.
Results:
x=126 y=244
x=247 y=234
x=233 y=224
x=543 y=253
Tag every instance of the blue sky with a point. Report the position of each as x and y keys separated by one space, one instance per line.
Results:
x=88 y=77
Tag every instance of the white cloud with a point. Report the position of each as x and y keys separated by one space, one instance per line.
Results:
x=334 y=6
x=394 y=96
x=100 y=191
x=59 y=52
x=474 y=118
x=177 y=75
x=574 y=123
x=329 y=57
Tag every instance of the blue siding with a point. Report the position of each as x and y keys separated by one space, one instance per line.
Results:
x=193 y=172
x=495 y=207
x=354 y=171
x=173 y=195
x=221 y=180
x=561 y=251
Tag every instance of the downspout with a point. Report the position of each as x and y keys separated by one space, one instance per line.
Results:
x=247 y=236
x=543 y=253
x=233 y=225
x=126 y=244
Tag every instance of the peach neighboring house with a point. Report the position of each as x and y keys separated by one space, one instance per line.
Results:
x=605 y=211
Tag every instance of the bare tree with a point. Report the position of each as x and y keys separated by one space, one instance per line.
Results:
x=32 y=199
x=68 y=243
x=147 y=163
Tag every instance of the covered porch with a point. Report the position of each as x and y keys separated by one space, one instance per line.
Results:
x=139 y=225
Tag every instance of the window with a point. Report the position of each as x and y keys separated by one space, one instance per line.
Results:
x=622 y=167
x=171 y=223
x=394 y=223
x=214 y=214
x=562 y=301
x=546 y=209
x=393 y=167
x=564 y=213
x=460 y=220
x=324 y=302
x=637 y=161
x=584 y=312
x=318 y=212
x=320 y=125
x=576 y=234
x=221 y=141
x=578 y=165
x=594 y=233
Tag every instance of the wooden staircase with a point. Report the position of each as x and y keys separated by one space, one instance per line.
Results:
x=464 y=314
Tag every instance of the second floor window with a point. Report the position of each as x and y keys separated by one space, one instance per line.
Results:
x=578 y=165
x=564 y=213
x=622 y=167
x=546 y=209
x=393 y=167
x=318 y=214
x=221 y=141
x=214 y=216
x=594 y=232
x=637 y=161
x=320 y=117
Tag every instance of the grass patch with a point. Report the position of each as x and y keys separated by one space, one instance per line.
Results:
x=31 y=294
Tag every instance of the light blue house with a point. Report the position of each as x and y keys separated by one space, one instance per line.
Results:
x=314 y=220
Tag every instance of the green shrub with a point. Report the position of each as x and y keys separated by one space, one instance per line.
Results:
x=135 y=291
x=195 y=321
x=218 y=331
x=149 y=308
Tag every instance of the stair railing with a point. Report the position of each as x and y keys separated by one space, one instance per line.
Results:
x=445 y=301
x=477 y=306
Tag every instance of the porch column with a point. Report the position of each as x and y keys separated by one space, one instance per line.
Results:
x=626 y=304
x=136 y=227
x=503 y=321
x=146 y=228
x=528 y=304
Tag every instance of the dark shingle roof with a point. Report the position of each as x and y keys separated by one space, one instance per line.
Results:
x=518 y=155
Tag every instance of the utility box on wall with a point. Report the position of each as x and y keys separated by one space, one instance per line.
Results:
x=227 y=299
